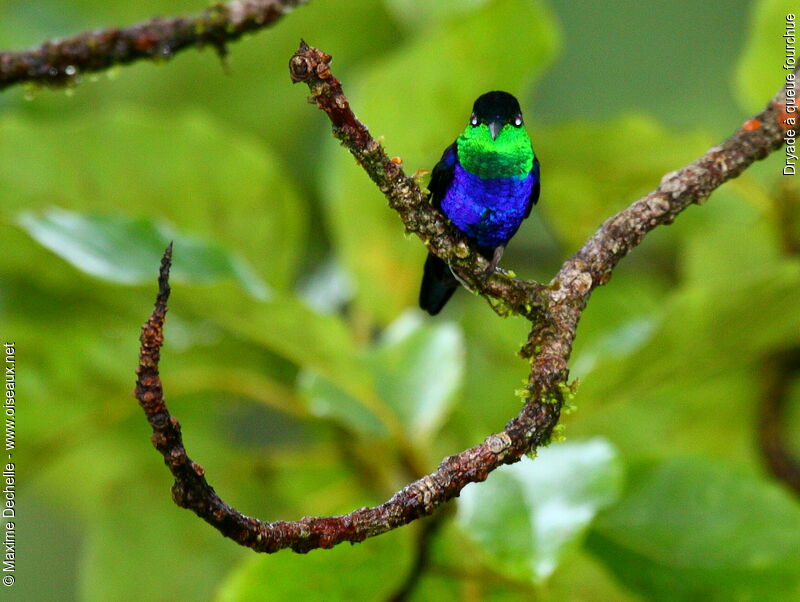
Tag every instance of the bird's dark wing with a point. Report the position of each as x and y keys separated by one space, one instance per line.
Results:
x=442 y=175
x=537 y=186
x=438 y=283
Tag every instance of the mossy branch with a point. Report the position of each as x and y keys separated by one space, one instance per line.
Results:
x=554 y=311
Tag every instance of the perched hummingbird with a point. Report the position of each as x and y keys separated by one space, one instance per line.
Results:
x=486 y=182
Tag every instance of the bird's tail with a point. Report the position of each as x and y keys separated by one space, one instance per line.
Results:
x=438 y=285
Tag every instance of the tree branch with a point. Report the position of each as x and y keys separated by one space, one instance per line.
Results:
x=780 y=370
x=311 y=66
x=554 y=311
x=58 y=63
x=428 y=529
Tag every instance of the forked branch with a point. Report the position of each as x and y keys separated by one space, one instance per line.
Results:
x=554 y=311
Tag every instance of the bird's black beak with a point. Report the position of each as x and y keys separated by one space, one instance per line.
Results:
x=494 y=128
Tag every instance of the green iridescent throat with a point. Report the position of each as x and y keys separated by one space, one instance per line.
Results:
x=507 y=156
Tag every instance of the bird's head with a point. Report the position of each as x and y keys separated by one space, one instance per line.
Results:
x=496 y=111
x=495 y=144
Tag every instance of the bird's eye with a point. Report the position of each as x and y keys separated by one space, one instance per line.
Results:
x=473 y=120
x=518 y=120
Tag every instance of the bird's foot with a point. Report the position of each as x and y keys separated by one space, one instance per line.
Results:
x=498 y=253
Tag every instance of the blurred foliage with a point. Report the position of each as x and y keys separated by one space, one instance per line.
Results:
x=766 y=45
x=305 y=380
x=541 y=508
x=687 y=527
x=377 y=571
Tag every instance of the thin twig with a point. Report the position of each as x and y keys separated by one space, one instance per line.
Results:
x=428 y=529
x=779 y=371
x=61 y=62
x=554 y=311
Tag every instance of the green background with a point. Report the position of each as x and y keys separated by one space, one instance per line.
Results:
x=305 y=379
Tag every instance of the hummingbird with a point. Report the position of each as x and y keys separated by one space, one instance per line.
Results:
x=486 y=183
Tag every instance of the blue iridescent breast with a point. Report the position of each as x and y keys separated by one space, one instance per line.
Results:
x=488 y=211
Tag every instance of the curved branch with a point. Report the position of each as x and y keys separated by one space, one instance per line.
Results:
x=192 y=491
x=554 y=311
x=57 y=63
x=678 y=190
x=779 y=370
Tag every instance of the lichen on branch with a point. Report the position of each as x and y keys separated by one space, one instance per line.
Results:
x=312 y=67
x=554 y=311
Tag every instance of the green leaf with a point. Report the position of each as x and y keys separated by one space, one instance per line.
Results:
x=580 y=194
x=419 y=13
x=697 y=342
x=732 y=240
x=735 y=303
x=185 y=168
x=162 y=538
x=336 y=380
x=128 y=251
x=326 y=400
x=284 y=325
x=370 y=570
x=418 y=369
x=420 y=111
x=327 y=288
x=760 y=71
x=529 y=515
x=618 y=342
x=690 y=529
